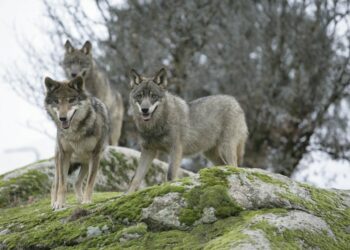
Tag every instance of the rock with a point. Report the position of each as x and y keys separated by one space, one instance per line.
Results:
x=117 y=168
x=5 y=231
x=105 y=228
x=296 y=220
x=93 y=231
x=207 y=217
x=219 y=208
x=164 y=211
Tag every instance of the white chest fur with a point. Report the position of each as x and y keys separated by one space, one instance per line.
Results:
x=81 y=149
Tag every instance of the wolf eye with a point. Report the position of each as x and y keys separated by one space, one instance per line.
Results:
x=138 y=96
x=55 y=101
x=153 y=96
x=71 y=100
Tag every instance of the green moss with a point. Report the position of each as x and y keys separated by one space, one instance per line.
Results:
x=130 y=206
x=327 y=205
x=235 y=235
x=19 y=189
x=216 y=176
x=296 y=239
x=37 y=224
x=189 y=215
x=186 y=181
x=140 y=229
x=265 y=178
x=200 y=237
x=212 y=192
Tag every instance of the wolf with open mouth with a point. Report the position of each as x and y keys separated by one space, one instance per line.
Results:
x=213 y=125
x=82 y=133
x=79 y=61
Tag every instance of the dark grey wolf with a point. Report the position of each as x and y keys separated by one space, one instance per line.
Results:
x=214 y=125
x=80 y=62
x=82 y=134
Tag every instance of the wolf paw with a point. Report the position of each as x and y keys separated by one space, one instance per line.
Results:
x=86 y=202
x=57 y=206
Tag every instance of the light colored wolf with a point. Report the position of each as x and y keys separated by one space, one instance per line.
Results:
x=214 y=125
x=80 y=62
x=82 y=134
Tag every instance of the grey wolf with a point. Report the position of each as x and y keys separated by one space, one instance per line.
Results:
x=82 y=133
x=80 y=62
x=214 y=125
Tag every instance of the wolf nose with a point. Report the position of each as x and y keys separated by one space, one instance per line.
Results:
x=145 y=111
x=63 y=119
x=74 y=74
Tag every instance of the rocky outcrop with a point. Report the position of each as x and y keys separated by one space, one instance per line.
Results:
x=219 y=208
x=117 y=168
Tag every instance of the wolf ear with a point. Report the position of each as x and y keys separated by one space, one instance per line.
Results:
x=69 y=47
x=87 y=47
x=77 y=83
x=51 y=84
x=161 y=78
x=135 y=78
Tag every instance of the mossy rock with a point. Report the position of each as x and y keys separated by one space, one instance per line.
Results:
x=219 y=208
x=117 y=168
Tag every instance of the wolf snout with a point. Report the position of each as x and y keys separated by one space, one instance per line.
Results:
x=74 y=74
x=145 y=110
x=63 y=119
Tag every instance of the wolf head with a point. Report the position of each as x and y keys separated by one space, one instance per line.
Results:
x=147 y=93
x=64 y=100
x=77 y=61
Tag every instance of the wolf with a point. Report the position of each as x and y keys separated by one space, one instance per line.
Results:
x=80 y=62
x=82 y=133
x=214 y=125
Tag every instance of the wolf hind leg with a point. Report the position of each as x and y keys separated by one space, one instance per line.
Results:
x=115 y=133
x=116 y=116
x=228 y=153
x=213 y=156
x=240 y=152
x=78 y=186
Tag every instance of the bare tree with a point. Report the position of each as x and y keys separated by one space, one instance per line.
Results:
x=285 y=61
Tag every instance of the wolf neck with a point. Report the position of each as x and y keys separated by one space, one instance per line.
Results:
x=94 y=82
x=91 y=76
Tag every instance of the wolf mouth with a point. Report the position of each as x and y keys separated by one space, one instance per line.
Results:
x=66 y=124
x=148 y=116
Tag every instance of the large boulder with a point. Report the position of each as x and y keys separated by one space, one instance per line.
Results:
x=219 y=208
x=117 y=168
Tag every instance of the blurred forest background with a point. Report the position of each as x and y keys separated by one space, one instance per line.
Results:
x=287 y=63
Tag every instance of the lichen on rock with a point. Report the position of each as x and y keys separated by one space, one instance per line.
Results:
x=218 y=208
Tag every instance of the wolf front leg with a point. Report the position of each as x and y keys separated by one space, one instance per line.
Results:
x=93 y=168
x=175 y=161
x=78 y=186
x=62 y=173
x=54 y=187
x=145 y=161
